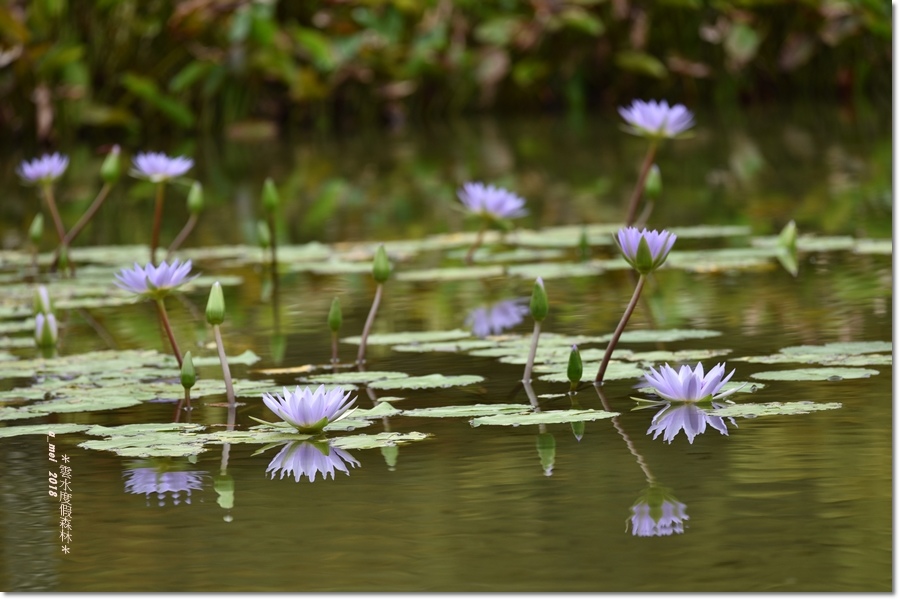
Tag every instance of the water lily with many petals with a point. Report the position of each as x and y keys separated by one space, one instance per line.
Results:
x=310 y=410
x=45 y=169
x=687 y=385
x=304 y=458
x=645 y=250
x=491 y=201
x=154 y=282
x=686 y=416
x=157 y=166
x=656 y=119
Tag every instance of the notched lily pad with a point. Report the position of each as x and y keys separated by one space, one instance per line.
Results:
x=379 y=440
x=773 y=408
x=353 y=377
x=543 y=418
x=426 y=381
x=451 y=274
x=409 y=337
x=56 y=428
x=147 y=439
x=474 y=410
x=815 y=374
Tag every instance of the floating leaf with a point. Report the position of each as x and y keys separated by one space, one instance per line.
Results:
x=451 y=274
x=411 y=337
x=773 y=408
x=354 y=377
x=426 y=381
x=475 y=410
x=813 y=374
x=248 y=357
x=378 y=440
x=56 y=428
x=543 y=418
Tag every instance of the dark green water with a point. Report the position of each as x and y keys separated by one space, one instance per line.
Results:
x=783 y=503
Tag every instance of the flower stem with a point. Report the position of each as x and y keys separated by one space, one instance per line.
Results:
x=184 y=403
x=270 y=221
x=164 y=318
x=182 y=235
x=361 y=355
x=51 y=206
x=226 y=372
x=619 y=329
x=478 y=239
x=157 y=220
x=615 y=421
x=82 y=223
x=526 y=378
x=334 y=349
x=641 y=182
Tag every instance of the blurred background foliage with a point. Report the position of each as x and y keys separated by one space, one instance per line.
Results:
x=251 y=67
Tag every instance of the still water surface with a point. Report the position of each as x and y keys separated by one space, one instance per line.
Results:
x=782 y=503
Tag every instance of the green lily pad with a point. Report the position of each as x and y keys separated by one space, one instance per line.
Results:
x=815 y=374
x=56 y=428
x=409 y=337
x=147 y=439
x=614 y=370
x=656 y=357
x=425 y=382
x=871 y=246
x=354 y=377
x=840 y=348
x=384 y=439
x=725 y=259
x=475 y=410
x=450 y=346
x=543 y=418
x=247 y=357
x=773 y=408
x=662 y=335
x=451 y=274
x=560 y=270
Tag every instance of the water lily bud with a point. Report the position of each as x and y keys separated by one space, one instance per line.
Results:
x=653 y=185
x=195 y=198
x=262 y=234
x=188 y=373
x=45 y=330
x=42 y=304
x=215 y=306
x=111 y=168
x=270 y=198
x=575 y=369
x=540 y=305
x=381 y=266
x=335 y=318
x=36 y=231
x=788 y=236
x=546 y=447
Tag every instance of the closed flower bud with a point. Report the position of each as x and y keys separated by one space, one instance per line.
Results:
x=335 y=318
x=540 y=305
x=42 y=304
x=270 y=197
x=262 y=234
x=381 y=266
x=45 y=330
x=215 y=306
x=188 y=373
x=36 y=231
x=195 y=198
x=576 y=369
x=653 y=186
x=111 y=169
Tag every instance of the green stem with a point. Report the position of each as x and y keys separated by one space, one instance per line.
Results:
x=619 y=329
x=226 y=372
x=82 y=222
x=334 y=348
x=270 y=221
x=157 y=220
x=478 y=239
x=182 y=235
x=526 y=378
x=164 y=318
x=54 y=214
x=361 y=355
x=641 y=182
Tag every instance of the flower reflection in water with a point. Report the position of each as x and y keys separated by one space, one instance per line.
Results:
x=309 y=458
x=497 y=317
x=657 y=512
x=688 y=416
x=159 y=478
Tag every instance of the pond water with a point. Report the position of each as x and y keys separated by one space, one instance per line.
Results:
x=783 y=502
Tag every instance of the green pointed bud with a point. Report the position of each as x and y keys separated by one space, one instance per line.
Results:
x=46 y=332
x=215 y=306
x=195 y=198
x=262 y=234
x=653 y=185
x=540 y=306
x=335 y=318
x=390 y=454
x=36 y=231
x=111 y=168
x=788 y=237
x=188 y=373
x=546 y=447
x=270 y=197
x=576 y=369
x=224 y=486
x=42 y=304
x=381 y=266
x=578 y=429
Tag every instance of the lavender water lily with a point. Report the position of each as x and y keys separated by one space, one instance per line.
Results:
x=308 y=410
x=494 y=206
x=43 y=172
x=159 y=168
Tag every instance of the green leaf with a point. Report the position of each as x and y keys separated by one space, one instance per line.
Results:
x=641 y=63
x=773 y=408
x=543 y=418
x=425 y=382
x=814 y=374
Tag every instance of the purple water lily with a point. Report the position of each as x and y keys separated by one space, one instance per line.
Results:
x=657 y=119
x=686 y=416
x=498 y=317
x=303 y=458
x=491 y=201
x=45 y=169
x=148 y=480
x=686 y=385
x=307 y=410
x=645 y=250
x=157 y=167
x=656 y=513
x=154 y=282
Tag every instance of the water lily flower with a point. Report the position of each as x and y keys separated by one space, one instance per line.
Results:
x=45 y=169
x=656 y=120
x=656 y=513
x=496 y=318
x=686 y=416
x=304 y=458
x=154 y=282
x=307 y=410
x=151 y=480
x=491 y=201
x=645 y=250
x=686 y=385
x=158 y=167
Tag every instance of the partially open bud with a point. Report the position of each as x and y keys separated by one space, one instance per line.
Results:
x=381 y=266
x=42 y=304
x=270 y=198
x=215 y=306
x=540 y=305
x=335 y=317
x=195 y=198
x=45 y=330
x=188 y=373
x=36 y=231
x=111 y=168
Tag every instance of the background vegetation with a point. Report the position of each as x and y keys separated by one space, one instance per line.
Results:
x=252 y=66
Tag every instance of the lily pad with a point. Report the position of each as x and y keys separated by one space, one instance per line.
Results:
x=409 y=337
x=379 y=440
x=451 y=274
x=773 y=408
x=425 y=382
x=354 y=377
x=56 y=428
x=871 y=246
x=247 y=357
x=474 y=410
x=543 y=418
x=815 y=374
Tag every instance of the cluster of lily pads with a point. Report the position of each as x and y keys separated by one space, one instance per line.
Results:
x=690 y=398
